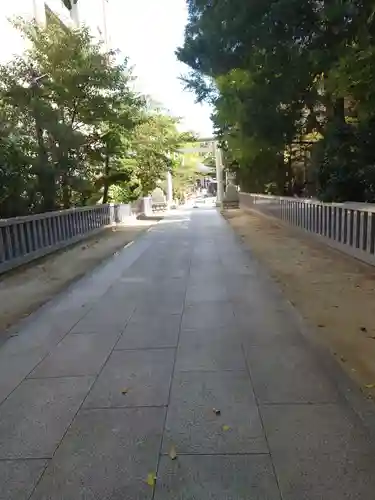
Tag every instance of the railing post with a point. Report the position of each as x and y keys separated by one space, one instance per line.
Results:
x=357 y=216
x=16 y=241
x=34 y=232
x=371 y=234
x=22 y=238
x=311 y=213
x=364 y=230
x=51 y=241
x=339 y=225
x=2 y=246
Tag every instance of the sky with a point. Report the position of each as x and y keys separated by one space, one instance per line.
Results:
x=148 y=32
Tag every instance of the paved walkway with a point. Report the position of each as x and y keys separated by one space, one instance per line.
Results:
x=103 y=384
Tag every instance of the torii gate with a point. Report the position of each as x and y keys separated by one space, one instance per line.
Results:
x=203 y=145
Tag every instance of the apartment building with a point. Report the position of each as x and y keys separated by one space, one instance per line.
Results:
x=91 y=13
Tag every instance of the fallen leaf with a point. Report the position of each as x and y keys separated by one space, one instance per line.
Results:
x=151 y=479
x=216 y=411
x=124 y=391
x=226 y=428
x=370 y=386
x=173 y=453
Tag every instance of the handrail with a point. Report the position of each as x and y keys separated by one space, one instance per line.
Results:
x=349 y=227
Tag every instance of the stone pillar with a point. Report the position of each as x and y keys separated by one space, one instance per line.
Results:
x=169 y=189
x=39 y=12
x=219 y=175
x=74 y=13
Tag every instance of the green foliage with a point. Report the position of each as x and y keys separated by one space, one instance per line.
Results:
x=278 y=71
x=73 y=130
x=345 y=164
x=124 y=193
x=185 y=174
x=156 y=141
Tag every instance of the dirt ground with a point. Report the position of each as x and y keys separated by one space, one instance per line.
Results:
x=25 y=289
x=334 y=293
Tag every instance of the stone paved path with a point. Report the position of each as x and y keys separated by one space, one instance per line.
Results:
x=100 y=385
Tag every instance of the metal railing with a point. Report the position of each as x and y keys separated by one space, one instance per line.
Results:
x=350 y=227
x=23 y=239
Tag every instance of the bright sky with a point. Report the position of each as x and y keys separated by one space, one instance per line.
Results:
x=148 y=32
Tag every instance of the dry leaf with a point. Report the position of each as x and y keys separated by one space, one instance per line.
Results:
x=226 y=428
x=151 y=479
x=124 y=391
x=173 y=453
x=216 y=411
x=370 y=386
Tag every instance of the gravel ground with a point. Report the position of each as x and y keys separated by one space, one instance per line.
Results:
x=333 y=292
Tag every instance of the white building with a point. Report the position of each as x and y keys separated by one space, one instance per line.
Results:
x=88 y=12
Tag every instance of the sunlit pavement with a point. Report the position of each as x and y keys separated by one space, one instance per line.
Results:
x=175 y=371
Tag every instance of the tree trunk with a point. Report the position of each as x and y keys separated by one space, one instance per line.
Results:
x=106 y=179
x=281 y=173
x=46 y=174
x=65 y=191
x=339 y=111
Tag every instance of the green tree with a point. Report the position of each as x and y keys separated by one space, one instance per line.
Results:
x=77 y=108
x=277 y=71
x=155 y=142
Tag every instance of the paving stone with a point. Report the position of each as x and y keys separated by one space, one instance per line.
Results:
x=218 y=477
x=145 y=375
x=105 y=319
x=106 y=455
x=29 y=343
x=210 y=349
x=51 y=322
x=210 y=315
x=196 y=294
x=157 y=303
x=192 y=425
x=161 y=269
x=200 y=278
x=150 y=331
x=77 y=355
x=244 y=290
x=14 y=368
x=288 y=374
x=260 y=326
x=320 y=451
x=225 y=334
x=36 y=415
x=19 y=477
